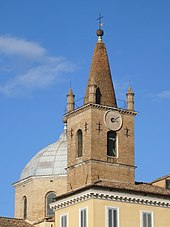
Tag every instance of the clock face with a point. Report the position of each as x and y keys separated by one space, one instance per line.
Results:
x=113 y=120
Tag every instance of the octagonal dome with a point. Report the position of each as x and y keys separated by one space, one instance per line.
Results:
x=52 y=160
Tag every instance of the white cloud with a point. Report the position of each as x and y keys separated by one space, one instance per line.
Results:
x=16 y=46
x=23 y=75
x=163 y=94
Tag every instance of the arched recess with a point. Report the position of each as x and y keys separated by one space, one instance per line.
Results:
x=111 y=143
x=49 y=198
x=98 y=96
x=79 y=143
x=25 y=207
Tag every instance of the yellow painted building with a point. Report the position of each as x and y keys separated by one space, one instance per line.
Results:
x=127 y=208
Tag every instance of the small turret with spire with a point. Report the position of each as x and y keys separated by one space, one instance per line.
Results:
x=92 y=90
x=70 y=100
x=130 y=99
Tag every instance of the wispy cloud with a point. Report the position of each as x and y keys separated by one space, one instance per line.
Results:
x=26 y=66
x=165 y=94
x=159 y=96
x=16 y=46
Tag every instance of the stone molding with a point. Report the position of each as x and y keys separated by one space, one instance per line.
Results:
x=111 y=196
x=83 y=162
x=97 y=106
x=31 y=178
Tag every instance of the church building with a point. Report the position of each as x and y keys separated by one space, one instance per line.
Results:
x=87 y=177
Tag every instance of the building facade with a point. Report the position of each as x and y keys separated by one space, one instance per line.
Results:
x=101 y=187
x=42 y=180
x=87 y=178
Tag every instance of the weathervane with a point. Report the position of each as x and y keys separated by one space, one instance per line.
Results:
x=100 y=22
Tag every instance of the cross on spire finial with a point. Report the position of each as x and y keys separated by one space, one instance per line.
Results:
x=100 y=22
x=100 y=32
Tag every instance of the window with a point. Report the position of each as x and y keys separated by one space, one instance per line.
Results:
x=98 y=96
x=49 y=199
x=83 y=217
x=147 y=219
x=112 y=217
x=63 y=221
x=24 y=207
x=167 y=184
x=111 y=144
x=80 y=143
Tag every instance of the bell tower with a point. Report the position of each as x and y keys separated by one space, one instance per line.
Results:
x=100 y=136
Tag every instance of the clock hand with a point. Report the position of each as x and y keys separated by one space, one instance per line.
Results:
x=117 y=118
x=114 y=119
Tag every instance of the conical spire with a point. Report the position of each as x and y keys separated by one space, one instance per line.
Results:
x=100 y=72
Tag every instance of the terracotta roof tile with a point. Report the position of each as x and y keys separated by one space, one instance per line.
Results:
x=100 y=72
x=13 y=222
x=136 y=188
x=139 y=188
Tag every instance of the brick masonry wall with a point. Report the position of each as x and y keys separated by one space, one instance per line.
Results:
x=95 y=164
x=35 y=189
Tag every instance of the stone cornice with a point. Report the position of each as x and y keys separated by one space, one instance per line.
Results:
x=111 y=196
x=97 y=106
x=122 y=165
x=31 y=178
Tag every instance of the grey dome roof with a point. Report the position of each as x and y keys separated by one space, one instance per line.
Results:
x=52 y=160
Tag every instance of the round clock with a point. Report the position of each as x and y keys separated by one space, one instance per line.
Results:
x=113 y=120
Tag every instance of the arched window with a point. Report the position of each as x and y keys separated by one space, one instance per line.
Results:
x=24 y=207
x=111 y=144
x=79 y=143
x=49 y=199
x=98 y=96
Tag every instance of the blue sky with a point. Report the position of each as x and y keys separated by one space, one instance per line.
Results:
x=46 y=44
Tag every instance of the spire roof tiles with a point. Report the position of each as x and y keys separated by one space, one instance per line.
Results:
x=101 y=74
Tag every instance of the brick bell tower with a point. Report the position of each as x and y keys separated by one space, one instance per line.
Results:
x=100 y=136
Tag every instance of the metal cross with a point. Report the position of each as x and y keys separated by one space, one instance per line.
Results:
x=100 y=22
x=71 y=132
x=127 y=132
x=99 y=126
x=85 y=127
